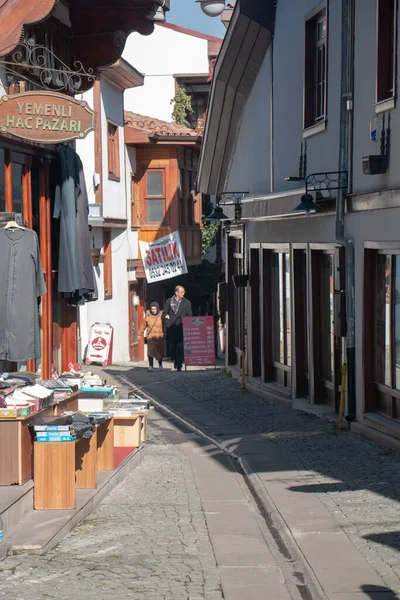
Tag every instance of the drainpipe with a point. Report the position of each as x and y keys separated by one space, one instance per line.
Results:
x=345 y=132
x=271 y=116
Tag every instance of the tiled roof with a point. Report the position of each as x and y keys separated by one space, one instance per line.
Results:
x=150 y=125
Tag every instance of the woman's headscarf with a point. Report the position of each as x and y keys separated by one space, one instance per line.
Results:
x=156 y=305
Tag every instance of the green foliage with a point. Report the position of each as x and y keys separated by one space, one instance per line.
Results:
x=208 y=231
x=182 y=103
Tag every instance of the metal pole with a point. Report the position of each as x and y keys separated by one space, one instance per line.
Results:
x=344 y=132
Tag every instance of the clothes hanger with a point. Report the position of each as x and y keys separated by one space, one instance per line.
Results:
x=13 y=225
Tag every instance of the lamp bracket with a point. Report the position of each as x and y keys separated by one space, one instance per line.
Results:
x=320 y=182
x=232 y=197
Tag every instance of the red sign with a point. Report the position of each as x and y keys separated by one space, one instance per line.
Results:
x=198 y=341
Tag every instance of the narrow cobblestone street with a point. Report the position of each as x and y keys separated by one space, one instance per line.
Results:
x=147 y=541
x=356 y=480
x=181 y=526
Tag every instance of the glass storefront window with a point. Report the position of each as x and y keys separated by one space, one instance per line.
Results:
x=386 y=333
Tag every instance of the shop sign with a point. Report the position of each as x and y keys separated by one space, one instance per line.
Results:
x=100 y=344
x=198 y=341
x=163 y=258
x=45 y=117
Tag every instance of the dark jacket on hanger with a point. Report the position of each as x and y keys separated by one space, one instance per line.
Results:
x=21 y=284
x=75 y=269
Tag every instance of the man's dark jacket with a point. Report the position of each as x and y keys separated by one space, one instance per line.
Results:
x=174 y=323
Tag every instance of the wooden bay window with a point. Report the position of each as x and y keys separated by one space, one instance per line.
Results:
x=155 y=195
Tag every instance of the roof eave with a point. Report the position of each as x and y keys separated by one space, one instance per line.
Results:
x=243 y=50
x=123 y=75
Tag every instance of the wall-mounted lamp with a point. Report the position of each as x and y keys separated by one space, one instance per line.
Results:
x=228 y=199
x=307 y=204
x=216 y=216
x=322 y=184
x=212 y=8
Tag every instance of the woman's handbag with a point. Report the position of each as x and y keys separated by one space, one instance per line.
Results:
x=145 y=339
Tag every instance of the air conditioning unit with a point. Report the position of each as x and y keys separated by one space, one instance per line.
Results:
x=95 y=215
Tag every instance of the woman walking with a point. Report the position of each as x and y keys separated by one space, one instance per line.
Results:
x=153 y=325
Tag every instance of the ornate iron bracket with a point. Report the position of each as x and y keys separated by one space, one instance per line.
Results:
x=232 y=197
x=45 y=70
x=324 y=183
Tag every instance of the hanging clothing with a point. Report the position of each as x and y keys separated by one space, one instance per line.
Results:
x=21 y=284
x=75 y=268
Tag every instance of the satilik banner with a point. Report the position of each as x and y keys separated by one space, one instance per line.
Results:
x=163 y=258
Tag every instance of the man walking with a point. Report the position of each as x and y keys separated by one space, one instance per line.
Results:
x=176 y=308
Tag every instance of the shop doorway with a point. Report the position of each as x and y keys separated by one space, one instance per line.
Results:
x=323 y=264
x=301 y=322
x=255 y=312
x=277 y=320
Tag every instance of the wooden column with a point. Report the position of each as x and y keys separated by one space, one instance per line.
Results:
x=69 y=343
x=46 y=263
x=49 y=322
x=8 y=180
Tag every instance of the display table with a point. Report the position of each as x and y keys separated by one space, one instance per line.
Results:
x=105 y=446
x=16 y=444
x=130 y=431
x=61 y=467
x=85 y=462
x=54 y=475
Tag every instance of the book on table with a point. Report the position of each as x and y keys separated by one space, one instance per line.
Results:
x=56 y=438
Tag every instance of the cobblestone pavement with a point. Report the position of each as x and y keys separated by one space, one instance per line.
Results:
x=358 y=481
x=147 y=541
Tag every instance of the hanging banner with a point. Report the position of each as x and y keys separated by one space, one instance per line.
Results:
x=46 y=117
x=100 y=344
x=163 y=258
x=198 y=341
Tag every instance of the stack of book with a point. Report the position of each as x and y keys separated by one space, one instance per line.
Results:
x=54 y=433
